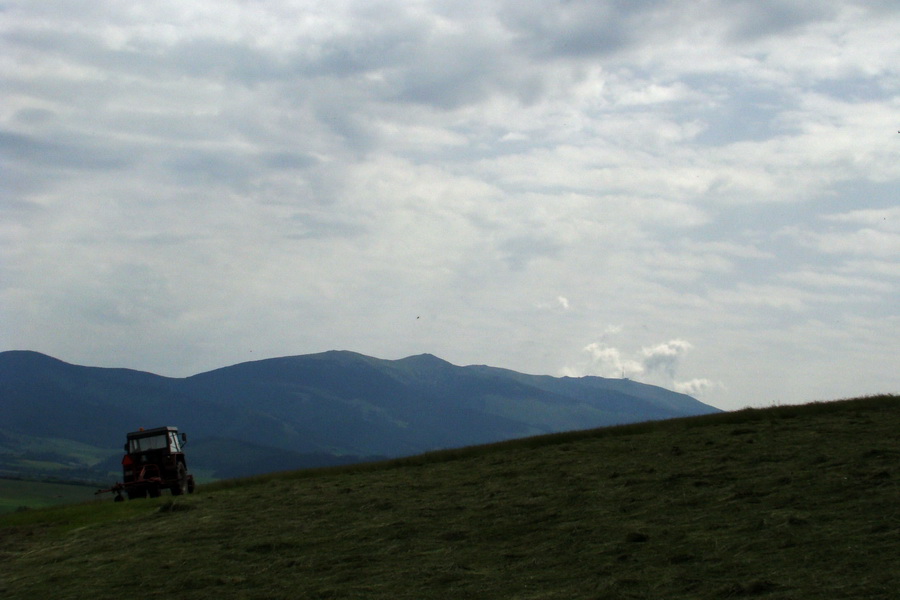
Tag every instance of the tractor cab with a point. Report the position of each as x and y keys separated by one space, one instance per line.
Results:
x=161 y=438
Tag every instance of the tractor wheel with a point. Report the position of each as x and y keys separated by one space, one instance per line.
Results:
x=190 y=484
x=181 y=486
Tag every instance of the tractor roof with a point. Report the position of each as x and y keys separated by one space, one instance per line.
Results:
x=149 y=432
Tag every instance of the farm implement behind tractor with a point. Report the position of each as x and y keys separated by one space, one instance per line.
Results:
x=153 y=461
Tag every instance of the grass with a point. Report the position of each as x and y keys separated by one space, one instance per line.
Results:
x=787 y=502
x=19 y=494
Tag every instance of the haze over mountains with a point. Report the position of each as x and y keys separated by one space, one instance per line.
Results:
x=66 y=420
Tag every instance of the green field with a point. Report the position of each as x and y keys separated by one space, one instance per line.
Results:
x=16 y=494
x=783 y=503
x=51 y=459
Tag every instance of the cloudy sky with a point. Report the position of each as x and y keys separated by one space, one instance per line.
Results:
x=701 y=195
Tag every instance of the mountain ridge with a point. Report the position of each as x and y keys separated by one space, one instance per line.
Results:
x=338 y=403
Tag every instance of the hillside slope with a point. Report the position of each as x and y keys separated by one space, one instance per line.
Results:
x=301 y=410
x=783 y=503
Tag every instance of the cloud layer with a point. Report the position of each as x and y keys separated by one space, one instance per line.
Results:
x=702 y=195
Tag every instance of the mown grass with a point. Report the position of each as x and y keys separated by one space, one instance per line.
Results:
x=789 y=502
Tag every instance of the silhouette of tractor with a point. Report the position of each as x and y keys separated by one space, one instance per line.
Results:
x=153 y=461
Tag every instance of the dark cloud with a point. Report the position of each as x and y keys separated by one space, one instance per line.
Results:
x=200 y=57
x=576 y=28
x=78 y=152
x=287 y=160
x=519 y=251
x=34 y=117
x=13 y=209
x=449 y=75
x=74 y=47
x=341 y=117
x=305 y=226
x=373 y=43
x=739 y=111
x=209 y=58
x=753 y=19
x=210 y=168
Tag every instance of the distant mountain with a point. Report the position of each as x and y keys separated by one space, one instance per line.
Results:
x=300 y=411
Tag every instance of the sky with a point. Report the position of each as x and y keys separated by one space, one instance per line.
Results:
x=699 y=195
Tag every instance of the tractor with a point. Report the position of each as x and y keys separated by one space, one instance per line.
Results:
x=153 y=461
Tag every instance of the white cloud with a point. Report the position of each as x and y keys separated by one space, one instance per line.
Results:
x=607 y=361
x=656 y=364
x=695 y=387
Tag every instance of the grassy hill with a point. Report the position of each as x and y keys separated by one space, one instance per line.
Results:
x=788 y=502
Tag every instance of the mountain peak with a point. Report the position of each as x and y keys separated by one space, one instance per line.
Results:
x=424 y=359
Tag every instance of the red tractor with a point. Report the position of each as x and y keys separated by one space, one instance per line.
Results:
x=154 y=461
